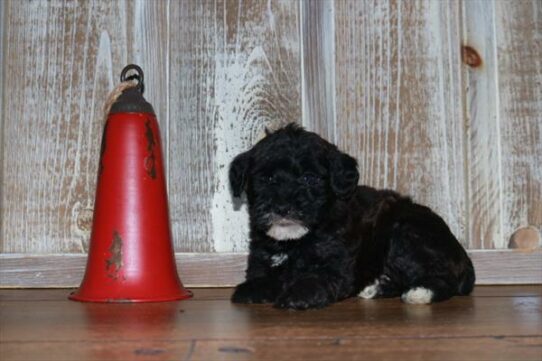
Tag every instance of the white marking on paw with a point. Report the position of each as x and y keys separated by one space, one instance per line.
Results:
x=418 y=295
x=285 y=230
x=370 y=291
x=278 y=259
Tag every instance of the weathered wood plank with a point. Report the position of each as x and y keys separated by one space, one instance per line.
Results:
x=58 y=67
x=207 y=294
x=190 y=129
x=503 y=89
x=234 y=69
x=67 y=270
x=343 y=348
x=228 y=269
x=148 y=46
x=318 y=67
x=3 y=32
x=519 y=49
x=506 y=291
x=507 y=267
x=398 y=100
x=484 y=172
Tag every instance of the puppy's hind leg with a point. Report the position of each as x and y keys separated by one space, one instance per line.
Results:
x=430 y=290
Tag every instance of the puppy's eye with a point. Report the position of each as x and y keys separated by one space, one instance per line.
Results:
x=310 y=179
x=271 y=179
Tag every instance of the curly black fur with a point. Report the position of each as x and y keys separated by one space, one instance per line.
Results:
x=345 y=237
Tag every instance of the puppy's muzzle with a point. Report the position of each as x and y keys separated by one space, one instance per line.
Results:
x=286 y=229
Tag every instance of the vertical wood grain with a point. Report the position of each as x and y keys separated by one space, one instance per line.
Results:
x=399 y=99
x=234 y=69
x=482 y=124
x=318 y=66
x=3 y=31
x=191 y=73
x=383 y=79
x=503 y=117
x=148 y=46
x=519 y=49
x=58 y=63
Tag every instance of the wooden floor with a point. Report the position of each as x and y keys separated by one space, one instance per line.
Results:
x=495 y=323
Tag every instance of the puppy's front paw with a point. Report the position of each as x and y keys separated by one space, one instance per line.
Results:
x=251 y=292
x=370 y=291
x=304 y=294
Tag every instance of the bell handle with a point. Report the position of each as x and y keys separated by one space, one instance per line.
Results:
x=137 y=76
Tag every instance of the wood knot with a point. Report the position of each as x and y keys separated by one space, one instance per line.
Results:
x=526 y=238
x=84 y=219
x=470 y=56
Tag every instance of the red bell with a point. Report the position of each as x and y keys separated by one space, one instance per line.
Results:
x=131 y=257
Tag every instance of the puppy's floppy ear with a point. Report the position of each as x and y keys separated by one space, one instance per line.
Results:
x=239 y=173
x=344 y=174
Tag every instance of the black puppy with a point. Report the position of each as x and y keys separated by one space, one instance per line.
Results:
x=317 y=237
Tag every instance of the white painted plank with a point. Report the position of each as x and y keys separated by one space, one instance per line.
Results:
x=3 y=33
x=234 y=70
x=519 y=50
x=503 y=86
x=318 y=67
x=483 y=139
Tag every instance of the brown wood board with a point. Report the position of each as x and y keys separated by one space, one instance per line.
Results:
x=495 y=323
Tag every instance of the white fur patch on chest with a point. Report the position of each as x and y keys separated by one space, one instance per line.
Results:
x=287 y=231
x=278 y=259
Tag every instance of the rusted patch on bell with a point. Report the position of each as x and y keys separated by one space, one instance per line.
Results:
x=114 y=262
x=470 y=56
x=150 y=160
x=150 y=167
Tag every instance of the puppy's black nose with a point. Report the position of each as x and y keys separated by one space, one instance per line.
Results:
x=282 y=209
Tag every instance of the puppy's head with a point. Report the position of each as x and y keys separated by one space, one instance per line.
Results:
x=292 y=178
